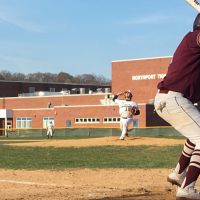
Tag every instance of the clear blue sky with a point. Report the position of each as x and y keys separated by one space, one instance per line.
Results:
x=85 y=36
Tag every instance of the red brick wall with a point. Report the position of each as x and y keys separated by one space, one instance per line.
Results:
x=144 y=90
x=42 y=102
x=36 y=115
x=64 y=113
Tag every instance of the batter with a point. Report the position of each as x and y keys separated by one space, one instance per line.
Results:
x=174 y=102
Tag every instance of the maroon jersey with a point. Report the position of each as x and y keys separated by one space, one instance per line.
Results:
x=184 y=71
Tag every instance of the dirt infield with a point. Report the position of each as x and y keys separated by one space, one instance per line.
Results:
x=103 y=141
x=87 y=184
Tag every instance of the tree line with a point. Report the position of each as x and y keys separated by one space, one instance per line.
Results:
x=61 y=77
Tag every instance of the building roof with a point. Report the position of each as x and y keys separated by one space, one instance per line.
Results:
x=142 y=59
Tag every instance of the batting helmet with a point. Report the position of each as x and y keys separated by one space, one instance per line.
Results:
x=196 y=24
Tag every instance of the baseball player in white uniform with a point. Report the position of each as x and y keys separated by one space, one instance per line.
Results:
x=127 y=109
x=50 y=129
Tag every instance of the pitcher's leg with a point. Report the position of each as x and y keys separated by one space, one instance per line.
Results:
x=129 y=120
x=124 y=129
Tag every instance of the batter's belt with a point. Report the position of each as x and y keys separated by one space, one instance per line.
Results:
x=163 y=91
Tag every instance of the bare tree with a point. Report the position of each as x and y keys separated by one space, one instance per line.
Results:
x=49 y=77
x=64 y=77
x=92 y=79
x=86 y=78
x=61 y=77
x=6 y=74
x=18 y=77
x=35 y=77
x=103 y=80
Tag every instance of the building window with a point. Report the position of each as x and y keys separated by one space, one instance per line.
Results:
x=52 y=90
x=64 y=89
x=111 y=119
x=31 y=89
x=86 y=120
x=46 y=121
x=24 y=122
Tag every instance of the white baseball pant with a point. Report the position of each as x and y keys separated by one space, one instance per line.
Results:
x=50 y=132
x=180 y=113
x=124 y=123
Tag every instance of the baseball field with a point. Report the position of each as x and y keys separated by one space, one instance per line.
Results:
x=103 y=168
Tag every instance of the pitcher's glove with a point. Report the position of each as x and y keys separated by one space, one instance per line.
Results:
x=135 y=111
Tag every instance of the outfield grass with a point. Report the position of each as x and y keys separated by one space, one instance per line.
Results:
x=88 y=157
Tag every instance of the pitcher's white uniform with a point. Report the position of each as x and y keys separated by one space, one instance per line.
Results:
x=126 y=117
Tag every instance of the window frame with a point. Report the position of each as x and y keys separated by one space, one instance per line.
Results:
x=46 y=120
x=24 y=122
x=86 y=120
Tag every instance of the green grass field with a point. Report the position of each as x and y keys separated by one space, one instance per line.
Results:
x=88 y=157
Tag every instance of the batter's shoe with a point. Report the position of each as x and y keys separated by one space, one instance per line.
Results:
x=175 y=178
x=126 y=134
x=188 y=193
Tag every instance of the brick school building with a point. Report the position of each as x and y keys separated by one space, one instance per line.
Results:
x=92 y=109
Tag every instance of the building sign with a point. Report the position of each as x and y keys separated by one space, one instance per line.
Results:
x=148 y=77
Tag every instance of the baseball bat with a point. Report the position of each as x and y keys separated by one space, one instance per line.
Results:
x=195 y=4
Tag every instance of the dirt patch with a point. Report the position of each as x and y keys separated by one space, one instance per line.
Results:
x=103 y=141
x=87 y=184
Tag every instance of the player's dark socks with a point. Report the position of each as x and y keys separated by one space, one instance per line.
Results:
x=192 y=173
x=185 y=156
